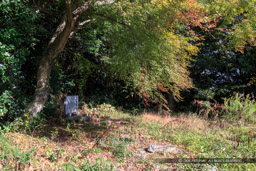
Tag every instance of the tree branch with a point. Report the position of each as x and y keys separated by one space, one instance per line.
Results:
x=69 y=11
x=78 y=11
x=84 y=22
x=80 y=25
x=105 y=2
x=66 y=21
x=110 y=19
x=70 y=18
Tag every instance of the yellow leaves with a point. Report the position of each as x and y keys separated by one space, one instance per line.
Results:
x=235 y=18
x=164 y=44
x=157 y=2
x=178 y=43
x=172 y=68
x=243 y=34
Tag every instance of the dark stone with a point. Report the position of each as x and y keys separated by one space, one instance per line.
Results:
x=70 y=106
x=151 y=149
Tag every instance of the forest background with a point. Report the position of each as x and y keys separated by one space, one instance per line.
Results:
x=162 y=56
x=137 y=54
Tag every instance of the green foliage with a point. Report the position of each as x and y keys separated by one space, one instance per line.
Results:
x=16 y=40
x=147 y=63
x=213 y=141
x=24 y=124
x=237 y=18
x=219 y=69
x=240 y=107
x=54 y=155
x=141 y=40
x=118 y=147
x=5 y=100
x=15 y=126
x=29 y=124
x=94 y=150
x=106 y=108
x=138 y=45
x=205 y=94
x=102 y=109
x=69 y=167
x=100 y=165
x=12 y=157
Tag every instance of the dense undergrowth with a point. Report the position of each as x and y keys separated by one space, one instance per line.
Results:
x=111 y=138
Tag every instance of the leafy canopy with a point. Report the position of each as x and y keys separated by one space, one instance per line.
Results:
x=17 y=32
x=151 y=42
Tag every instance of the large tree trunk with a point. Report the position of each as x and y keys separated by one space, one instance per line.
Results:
x=43 y=76
x=55 y=46
x=42 y=87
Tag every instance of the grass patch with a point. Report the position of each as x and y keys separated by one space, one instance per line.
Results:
x=11 y=157
x=205 y=139
x=68 y=146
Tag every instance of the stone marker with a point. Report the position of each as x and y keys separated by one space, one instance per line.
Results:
x=70 y=105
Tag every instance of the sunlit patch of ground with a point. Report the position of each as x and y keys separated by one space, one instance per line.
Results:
x=191 y=121
x=52 y=145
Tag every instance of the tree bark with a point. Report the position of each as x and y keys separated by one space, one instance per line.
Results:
x=55 y=46
x=42 y=87
x=171 y=101
x=65 y=29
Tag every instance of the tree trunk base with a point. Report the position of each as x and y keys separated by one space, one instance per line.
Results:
x=38 y=102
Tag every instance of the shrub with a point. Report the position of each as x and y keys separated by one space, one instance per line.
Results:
x=17 y=38
x=240 y=107
x=12 y=157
